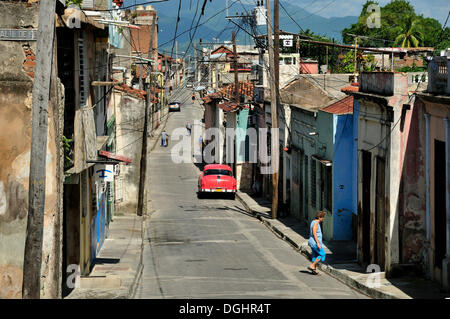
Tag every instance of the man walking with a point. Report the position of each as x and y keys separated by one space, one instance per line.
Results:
x=164 y=136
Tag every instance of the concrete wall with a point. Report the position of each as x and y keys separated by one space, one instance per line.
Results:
x=302 y=123
x=17 y=71
x=383 y=83
x=439 y=78
x=130 y=113
x=415 y=224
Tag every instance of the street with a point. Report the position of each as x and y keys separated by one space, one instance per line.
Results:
x=212 y=248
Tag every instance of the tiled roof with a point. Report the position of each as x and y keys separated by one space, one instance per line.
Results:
x=354 y=87
x=344 y=106
x=135 y=92
x=245 y=88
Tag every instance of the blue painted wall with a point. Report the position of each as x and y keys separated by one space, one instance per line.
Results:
x=343 y=177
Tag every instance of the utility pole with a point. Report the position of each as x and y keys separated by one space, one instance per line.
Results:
x=235 y=66
x=31 y=285
x=195 y=63
x=273 y=69
x=176 y=64
x=143 y=170
x=355 y=73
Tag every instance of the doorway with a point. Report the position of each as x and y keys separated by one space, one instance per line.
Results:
x=440 y=211
x=365 y=218
x=380 y=215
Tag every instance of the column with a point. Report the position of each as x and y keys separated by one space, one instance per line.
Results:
x=446 y=261
x=427 y=180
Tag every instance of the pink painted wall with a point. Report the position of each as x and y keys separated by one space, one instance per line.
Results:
x=309 y=68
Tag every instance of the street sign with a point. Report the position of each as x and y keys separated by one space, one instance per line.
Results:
x=287 y=43
x=18 y=35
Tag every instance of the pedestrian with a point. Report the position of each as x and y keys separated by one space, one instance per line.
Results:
x=315 y=242
x=188 y=127
x=164 y=136
x=193 y=98
x=201 y=142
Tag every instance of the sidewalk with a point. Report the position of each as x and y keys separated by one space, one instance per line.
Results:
x=119 y=265
x=341 y=258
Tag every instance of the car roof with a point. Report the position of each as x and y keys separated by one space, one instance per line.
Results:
x=217 y=166
x=174 y=102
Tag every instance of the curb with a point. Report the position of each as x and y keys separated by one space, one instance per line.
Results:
x=303 y=249
x=138 y=275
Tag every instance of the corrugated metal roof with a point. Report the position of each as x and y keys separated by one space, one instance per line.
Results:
x=344 y=106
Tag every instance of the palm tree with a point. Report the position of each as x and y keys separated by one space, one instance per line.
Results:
x=411 y=35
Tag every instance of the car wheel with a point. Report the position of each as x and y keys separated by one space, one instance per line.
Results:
x=199 y=195
x=233 y=196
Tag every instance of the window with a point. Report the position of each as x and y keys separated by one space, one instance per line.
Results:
x=82 y=72
x=288 y=61
x=218 y=172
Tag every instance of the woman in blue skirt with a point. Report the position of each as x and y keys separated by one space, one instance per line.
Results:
x=315 y=242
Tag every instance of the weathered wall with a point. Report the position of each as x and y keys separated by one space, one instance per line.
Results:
x=130 y=113
x=17 y=62
x=386 y=137
x=412 y=206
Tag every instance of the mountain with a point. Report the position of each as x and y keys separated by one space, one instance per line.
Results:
x=215 y=25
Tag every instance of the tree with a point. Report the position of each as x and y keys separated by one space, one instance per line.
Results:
x=364 y=62
x=411 y=35
x=397 y=17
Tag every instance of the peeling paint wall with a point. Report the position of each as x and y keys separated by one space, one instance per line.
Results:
x=17 y=67
x=130 y=113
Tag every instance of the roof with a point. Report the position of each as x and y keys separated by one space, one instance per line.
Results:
x=222 y=49
x=245 y=88
x=405 y=50
x=344 y=106
x=217 y=166
x=138 y=93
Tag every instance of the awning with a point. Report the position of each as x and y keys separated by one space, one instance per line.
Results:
x=322 y=160
x=114 y=157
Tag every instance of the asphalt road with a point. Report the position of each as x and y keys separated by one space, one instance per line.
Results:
x=211 y=248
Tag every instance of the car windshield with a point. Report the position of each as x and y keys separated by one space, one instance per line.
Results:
x=218 y=172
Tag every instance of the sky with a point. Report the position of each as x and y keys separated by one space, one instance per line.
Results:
x=437 y=9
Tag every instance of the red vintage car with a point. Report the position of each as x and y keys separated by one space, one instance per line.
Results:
x=217 y=178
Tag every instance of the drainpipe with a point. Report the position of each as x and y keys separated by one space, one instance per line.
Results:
x=427 y=179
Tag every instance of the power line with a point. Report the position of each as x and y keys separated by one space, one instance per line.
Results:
x=134 y=5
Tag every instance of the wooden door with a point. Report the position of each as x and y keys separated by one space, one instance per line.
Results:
x=364 y=226
x=380 y=214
